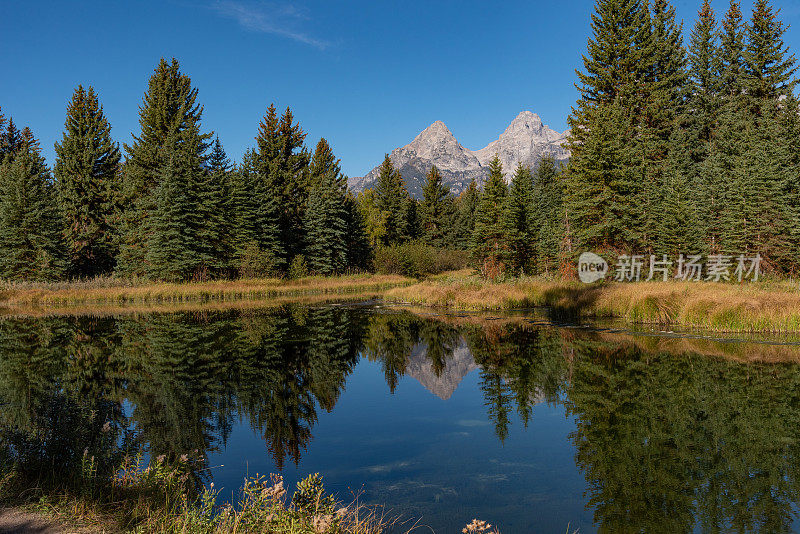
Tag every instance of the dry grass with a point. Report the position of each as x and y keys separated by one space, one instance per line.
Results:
x=111 y=291
x=722 y=307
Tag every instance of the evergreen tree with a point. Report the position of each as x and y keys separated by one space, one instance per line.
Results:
x=169 y=250
x=602 y=185
x=169 y=118
x=213 y=236
x=664 y=91
x=489 y=243
x=86 y=172
x=769 y=67
x=359 y=252
x=688 y=213
x=326 y=216
x=436 y=210
x=516 y=220
x=607 y=180
x=546 y=216
x=464 y=225
x=283 y=160
x=31 y=227
x=392 y=200
x=10 y=140
x=256 y=229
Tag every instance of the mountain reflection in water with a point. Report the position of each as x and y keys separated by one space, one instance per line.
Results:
x=527 y=425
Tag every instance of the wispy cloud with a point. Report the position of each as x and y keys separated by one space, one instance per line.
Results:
x=277 y=19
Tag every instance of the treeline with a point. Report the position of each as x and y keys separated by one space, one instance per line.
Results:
x=505 y=229
x=686 y=150
x=176 y=208
x=675 y=150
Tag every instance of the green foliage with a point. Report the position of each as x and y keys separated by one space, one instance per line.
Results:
x=282 y=161
x=417 y=259
x=326 y=219
x=298 y=268
x=519 y=234
x=169 y=118
x=464 y=218
x=436 y=210
x=31 y=226
x=392 y=217
x=87 y=175
x=489 y=245
x=546 y=217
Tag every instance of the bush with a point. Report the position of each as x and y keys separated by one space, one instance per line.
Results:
x=256 y=263
x=298 y=268
x=417 y=260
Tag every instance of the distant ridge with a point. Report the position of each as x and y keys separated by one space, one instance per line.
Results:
x=525 y=141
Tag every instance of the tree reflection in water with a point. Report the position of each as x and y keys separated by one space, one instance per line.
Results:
x=668 y=437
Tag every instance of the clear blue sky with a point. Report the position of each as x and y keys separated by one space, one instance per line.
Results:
x=367 y=75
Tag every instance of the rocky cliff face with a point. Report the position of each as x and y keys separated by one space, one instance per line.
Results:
x=525 y=141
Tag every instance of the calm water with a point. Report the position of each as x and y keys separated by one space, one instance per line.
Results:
x=443 y=419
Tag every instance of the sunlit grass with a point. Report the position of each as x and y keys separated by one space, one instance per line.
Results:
x=123 y=291
x=769 y=306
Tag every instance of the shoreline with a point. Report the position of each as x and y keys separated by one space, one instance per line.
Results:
x=761 y=307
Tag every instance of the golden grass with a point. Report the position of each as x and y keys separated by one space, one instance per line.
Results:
x=120 y=292
x=752 y=307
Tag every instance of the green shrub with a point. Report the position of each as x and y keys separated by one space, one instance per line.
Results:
x=298 y=268
x=256 y=263
x=417 y=260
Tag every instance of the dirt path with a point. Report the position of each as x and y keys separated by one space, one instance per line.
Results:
x=19 y=522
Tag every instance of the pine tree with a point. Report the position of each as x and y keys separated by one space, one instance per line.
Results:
x=516 y=221
x=214 y=210
x=283 y=160
x=392 y=200
x=688 y=213
x=663 y=95
x=464 y=225
x=436 y=210
x=31 y=227
x=546 y=216
x=256 y=231
x=86 y=172
x=359 y=252
x=602 y=185
x=769 y=67
x=489 y=244
x=169 y=109
x=607 y=179
x=326 y=215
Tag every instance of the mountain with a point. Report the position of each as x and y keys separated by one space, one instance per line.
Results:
x=525 y=141
x=457 y=366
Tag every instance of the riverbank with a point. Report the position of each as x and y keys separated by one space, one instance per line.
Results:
x=156 y=499
x=113 y=291
x=722 y=307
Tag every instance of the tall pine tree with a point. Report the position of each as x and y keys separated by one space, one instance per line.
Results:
x=86 y=172
x=489 y=243
x=326 y=216
x=31 y=227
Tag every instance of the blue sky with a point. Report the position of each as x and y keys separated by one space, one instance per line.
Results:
x=366 y=75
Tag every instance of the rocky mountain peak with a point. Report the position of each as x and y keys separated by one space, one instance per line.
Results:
x=524 y=141
x=525 y=122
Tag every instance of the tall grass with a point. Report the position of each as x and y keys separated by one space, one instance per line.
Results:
x=123 y=291
x=772 y=306
x=157 y=499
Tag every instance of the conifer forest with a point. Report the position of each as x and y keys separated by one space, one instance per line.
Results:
x=683 y=141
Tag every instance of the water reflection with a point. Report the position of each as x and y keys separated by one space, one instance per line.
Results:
x=670 y=435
